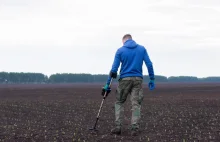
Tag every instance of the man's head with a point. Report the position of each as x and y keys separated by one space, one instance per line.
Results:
x=126 y=37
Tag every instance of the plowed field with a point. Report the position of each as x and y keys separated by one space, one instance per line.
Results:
x=65 y=112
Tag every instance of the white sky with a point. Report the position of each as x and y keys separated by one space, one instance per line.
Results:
x=81 y=36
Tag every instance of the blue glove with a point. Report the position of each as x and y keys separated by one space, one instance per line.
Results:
x=151 y=85
x=107 y=89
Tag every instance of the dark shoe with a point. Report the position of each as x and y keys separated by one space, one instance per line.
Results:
x=134 y=132
x=116 y=130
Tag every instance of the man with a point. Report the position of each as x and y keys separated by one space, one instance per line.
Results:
x=131 y=56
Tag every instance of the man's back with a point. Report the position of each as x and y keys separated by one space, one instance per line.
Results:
x=131 y=55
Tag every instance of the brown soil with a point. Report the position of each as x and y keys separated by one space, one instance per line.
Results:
x=65 y=112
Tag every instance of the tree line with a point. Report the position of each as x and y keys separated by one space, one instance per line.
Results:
x=20 y=77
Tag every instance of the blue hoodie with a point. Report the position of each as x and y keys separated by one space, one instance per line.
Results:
x=131 y=56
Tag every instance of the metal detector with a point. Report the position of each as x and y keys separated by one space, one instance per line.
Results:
x=97 y=118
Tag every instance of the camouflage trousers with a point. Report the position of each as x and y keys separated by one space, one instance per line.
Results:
x=132 y=86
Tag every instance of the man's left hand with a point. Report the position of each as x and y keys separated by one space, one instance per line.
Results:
x=106 y=89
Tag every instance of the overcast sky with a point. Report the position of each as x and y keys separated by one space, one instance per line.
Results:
x=182 y=37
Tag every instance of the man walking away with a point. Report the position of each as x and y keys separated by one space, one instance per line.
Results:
x=131 y=56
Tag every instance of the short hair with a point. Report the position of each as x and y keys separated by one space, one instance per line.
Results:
x=127 y=36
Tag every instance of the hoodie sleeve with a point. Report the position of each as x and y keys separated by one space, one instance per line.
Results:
x=149 y=64
x=115 y=65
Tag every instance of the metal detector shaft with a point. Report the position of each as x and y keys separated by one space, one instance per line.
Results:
x=101 y=106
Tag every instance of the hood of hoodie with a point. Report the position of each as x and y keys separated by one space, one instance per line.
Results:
x=130 y=44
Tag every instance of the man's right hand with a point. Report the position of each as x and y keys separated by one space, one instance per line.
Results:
x=151 y=85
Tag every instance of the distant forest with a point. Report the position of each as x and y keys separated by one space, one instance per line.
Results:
x=23 y=78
